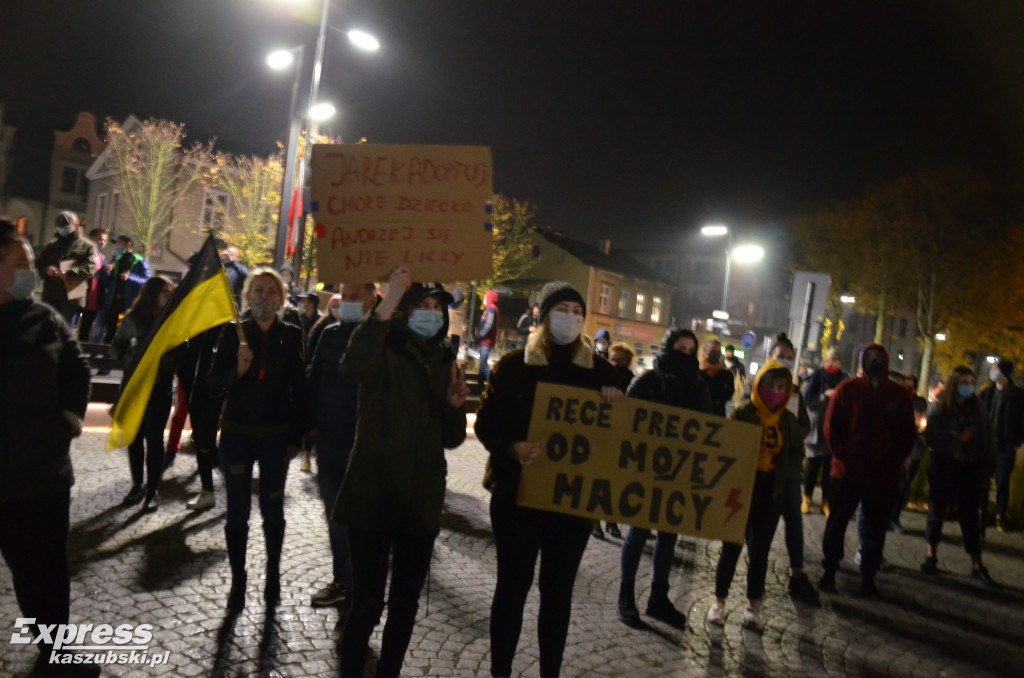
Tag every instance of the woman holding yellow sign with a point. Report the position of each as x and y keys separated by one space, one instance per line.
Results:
x=556 y=354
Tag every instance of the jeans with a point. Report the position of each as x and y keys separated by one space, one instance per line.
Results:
x=954 y=483
x=633 y=548
x=876 y=506
x=794 y=522
x=520 y=535
x=331 y=462
x=409 y=567
x=906 y=480
x=814 y=465
x=485 y=368
x=205 y=415
x=761 y=524
x=238 y=453
x=33 y=541
x=148 y=447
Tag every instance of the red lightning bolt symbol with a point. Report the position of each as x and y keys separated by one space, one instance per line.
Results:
x=733 y=503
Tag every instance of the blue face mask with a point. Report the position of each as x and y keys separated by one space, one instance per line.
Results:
x=350 y=311
x=965 y=391
x=425 y=323
x=118 y=250
x=65 y=232
x=24 y=284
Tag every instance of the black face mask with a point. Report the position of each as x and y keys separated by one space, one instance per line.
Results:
x=874 y=368
x=678 y=362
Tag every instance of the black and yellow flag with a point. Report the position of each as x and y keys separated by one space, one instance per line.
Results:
x=203 y=300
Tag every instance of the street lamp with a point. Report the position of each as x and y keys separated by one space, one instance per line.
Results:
x=744 y=254
x=279 y=60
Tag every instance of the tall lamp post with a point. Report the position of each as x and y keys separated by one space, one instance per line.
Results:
x=279 y=60
x=743 y=254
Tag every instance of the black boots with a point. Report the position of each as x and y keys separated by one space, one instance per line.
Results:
x=628 y=613
x=236 y=539
x=661 y=608
x=275 y=540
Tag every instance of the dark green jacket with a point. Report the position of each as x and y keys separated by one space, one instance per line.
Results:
x=70 y=247
x=396 y=476
x=790 y=459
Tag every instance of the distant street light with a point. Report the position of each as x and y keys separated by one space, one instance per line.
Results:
x=745 y=254
x=940 y=336
x=848 y=299
x=992 y=360
x=363 y=40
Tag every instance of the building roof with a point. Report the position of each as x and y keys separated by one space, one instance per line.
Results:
x=616 y=261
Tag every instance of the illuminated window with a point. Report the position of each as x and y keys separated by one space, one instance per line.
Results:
x=638 y=348
x=604 y=302
x=655 y=309
x=655 y=349
x=640 y=303
x=215 y=207
x=623 y=303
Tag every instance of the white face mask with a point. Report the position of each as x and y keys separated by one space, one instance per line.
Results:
x=787 y=363
x=350 y=311
x=994 y=374
x=565 y=327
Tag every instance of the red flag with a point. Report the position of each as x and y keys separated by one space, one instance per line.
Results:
x=294 y=216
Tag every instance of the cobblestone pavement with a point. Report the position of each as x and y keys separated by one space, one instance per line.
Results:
x=169 y=569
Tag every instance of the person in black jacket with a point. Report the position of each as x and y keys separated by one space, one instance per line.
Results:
x=817 y=393
x=675 y=380
x=36 y=429
x=147 y=450
x=1004 y=402
x=960 y=440
x=719 y=379
x=264 y=386
x=555 y=354
x=332 y=406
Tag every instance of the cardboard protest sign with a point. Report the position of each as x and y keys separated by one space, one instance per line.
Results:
x=640 y=463
x=380 y=206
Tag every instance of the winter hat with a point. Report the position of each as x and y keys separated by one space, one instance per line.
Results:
x=556 y=292
x=1006 y=367
x=417 y=292
x=602 y=334
x=65 y=219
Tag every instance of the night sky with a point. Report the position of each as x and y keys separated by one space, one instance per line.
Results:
x=635 y=120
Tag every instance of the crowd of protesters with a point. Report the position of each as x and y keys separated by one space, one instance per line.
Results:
x=371 y=388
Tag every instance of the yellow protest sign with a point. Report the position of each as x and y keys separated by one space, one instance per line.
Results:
x=379 y=206
x=640 y=463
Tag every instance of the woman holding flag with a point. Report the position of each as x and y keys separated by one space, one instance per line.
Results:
x=147 y=449
x=259 y=368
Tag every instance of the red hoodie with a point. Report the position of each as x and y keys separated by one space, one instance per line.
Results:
x=487 y=329
x=870 y=429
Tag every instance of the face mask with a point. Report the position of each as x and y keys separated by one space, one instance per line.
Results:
x=118 y=250
x=787 y=363
x=994 y=374
x=565 y=327
x=425 y=323
x=874 y=368
x=965 y=391
x=65 y=232
x=714 y=358
x=263 y=309
x=832 y=370
x=24 y=283
x=350 y=311
x=773 y=399
x=601 y=346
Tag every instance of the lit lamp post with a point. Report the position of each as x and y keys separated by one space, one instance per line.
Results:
x=279 y=60
x=743 y=254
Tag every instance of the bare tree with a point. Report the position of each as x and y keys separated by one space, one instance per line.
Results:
x=153 y=171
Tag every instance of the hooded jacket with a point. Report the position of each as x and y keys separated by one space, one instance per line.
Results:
x=675 y=380
x=817 y=404
x=782 y=445
x=870 y=429
x=395 y=480
x=487 y=328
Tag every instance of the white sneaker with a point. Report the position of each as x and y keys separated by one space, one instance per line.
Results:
x=202 y=501
x=716 y=615
x=752 y=620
